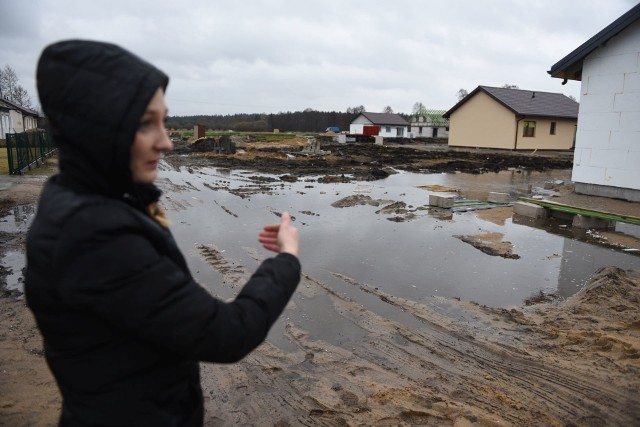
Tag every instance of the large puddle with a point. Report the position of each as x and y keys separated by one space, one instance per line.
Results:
x=14 y=260
x=414 y=259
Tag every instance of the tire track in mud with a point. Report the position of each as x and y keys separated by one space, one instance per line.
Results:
x=440 y=374
x=169 y=202
x=566 y=393
x=323 y=384
x=233 y=274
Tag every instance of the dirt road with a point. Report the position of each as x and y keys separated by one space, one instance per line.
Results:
x=556 y=363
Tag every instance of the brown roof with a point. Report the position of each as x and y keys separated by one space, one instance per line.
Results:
x=527 y=102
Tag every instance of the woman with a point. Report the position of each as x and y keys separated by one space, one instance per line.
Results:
x=124 y=323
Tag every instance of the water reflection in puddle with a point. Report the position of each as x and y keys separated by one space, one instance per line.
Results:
x=415 y=259
x=15 y=262
x=18 y=220
x=14 y=259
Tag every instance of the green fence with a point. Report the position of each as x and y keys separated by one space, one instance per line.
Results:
x=25 y=149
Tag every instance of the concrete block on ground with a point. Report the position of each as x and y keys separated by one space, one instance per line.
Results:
x=342 y=139
x=524 y=188
x=379 y=139
x=548 y=185
x=530 y=210
x=581 y=221
x=498 y=197
x=441 y=201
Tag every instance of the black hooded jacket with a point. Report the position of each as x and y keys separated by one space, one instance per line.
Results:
x=123 y=321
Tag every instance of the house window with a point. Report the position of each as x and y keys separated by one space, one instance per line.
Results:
x=388 y=129
x=529 y=129
x=552 y=128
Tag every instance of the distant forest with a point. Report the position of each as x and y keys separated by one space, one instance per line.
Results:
x=299 y=121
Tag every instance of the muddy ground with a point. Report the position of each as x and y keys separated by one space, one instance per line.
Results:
x=363 y=162
x=554 y=363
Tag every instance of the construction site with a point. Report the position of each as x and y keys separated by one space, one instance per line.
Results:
x=428 y=296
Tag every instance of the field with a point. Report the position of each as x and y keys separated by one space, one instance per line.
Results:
x=4 y=161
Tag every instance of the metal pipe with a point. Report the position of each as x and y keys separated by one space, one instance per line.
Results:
x=515 y=143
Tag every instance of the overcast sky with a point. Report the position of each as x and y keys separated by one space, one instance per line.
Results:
x=254 y=56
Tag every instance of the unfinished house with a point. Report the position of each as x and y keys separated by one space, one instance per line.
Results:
x=429 y=124
x=607 y=153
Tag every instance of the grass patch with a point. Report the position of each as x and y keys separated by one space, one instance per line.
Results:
x=4 y=161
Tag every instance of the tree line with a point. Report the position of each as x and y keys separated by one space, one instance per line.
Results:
x=298 y=121
x=308 y=120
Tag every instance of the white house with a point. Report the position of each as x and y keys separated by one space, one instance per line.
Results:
x=15 y=119
x=607 y=151
x=386 y=125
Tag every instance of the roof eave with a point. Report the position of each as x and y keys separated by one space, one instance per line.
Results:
x=570 y=67
x=551 y=116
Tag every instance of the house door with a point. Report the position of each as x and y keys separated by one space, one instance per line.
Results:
x=434 y=132
x=399 y=131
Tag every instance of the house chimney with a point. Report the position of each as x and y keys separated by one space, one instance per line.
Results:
x=533 y=94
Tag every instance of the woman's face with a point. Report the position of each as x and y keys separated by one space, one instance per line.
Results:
x=151 y=141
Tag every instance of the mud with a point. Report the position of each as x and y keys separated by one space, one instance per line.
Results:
x=364 y=162
x=572 y=363
x=491 y=243
x=433 y=362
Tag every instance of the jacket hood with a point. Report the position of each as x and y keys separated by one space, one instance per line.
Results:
x=94 y=94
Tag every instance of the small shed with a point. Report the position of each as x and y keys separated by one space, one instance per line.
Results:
x=607 y=153
x=384 y=124
x=513 y=119
x=15 y=118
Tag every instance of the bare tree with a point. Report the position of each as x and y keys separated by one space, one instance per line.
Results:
x=510 y=86
x=10 y=88
x=356 y=110
x=8 y=82
x=418 y=107
x=21 y=97
x=388 y=110
x=462 y=93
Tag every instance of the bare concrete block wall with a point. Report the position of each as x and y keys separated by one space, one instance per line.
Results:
x=581 y=221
